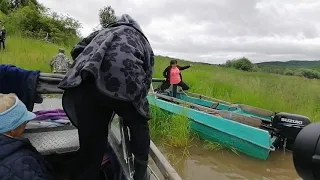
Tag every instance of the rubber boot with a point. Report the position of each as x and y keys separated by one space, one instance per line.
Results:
x=141 y=170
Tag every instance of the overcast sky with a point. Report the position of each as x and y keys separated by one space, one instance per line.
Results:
x=215 y=30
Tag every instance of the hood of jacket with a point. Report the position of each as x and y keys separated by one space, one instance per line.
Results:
x=124 y=19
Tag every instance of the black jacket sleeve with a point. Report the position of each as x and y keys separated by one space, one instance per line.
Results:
x=184 y=67
x=165 y=72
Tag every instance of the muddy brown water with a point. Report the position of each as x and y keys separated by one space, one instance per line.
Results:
x=226 y=165
x=202 y=164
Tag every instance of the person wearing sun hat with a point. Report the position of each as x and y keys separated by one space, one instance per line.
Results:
x=18 y=158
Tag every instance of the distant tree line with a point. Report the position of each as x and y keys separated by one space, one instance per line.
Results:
x=245 y=64
x=31 y=19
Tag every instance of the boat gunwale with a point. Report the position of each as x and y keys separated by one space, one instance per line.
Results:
x=239 y=110
x=224 y=119
x=200 y=96
x=239 y=105
x=269 y=149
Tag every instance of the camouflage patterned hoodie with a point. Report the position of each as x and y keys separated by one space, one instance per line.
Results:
x=121 y=60
x=60 y=63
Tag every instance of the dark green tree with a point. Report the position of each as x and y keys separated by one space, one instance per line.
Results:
x=15 y=4
x=107 y=16
x=243 y=64
x=4 y=6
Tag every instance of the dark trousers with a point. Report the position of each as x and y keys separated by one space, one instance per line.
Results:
x=2 y=44
x=93 y=111
x=166 y=85
x=183 y=85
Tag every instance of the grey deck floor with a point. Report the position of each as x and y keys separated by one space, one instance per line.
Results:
x=67 y=140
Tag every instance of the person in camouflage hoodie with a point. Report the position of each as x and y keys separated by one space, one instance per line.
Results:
x=112 y=72
x=60 y=63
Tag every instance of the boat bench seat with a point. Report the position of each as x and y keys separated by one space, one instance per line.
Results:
x=214 y=105
x=254 y=122
x=56 y=140
x=255 y=110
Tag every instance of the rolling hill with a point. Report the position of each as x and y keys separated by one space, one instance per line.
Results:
x=293 y=64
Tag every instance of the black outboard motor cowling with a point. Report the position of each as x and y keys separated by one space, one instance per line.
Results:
x=288 y=126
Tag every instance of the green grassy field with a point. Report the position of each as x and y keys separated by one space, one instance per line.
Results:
x=268 y=91
x=28 y=53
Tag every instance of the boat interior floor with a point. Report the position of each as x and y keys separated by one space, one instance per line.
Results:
x=60 y=146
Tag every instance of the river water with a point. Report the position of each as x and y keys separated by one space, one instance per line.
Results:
x=202 y=164
x=226 y=165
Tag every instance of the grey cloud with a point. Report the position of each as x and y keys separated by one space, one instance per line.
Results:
x=271 y=47
x=238 y=18
x=216 y=30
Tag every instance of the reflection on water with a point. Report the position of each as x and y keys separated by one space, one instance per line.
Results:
x=202 y=164
x=226 y=165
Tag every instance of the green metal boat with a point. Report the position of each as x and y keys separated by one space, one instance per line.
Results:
x=250 y=130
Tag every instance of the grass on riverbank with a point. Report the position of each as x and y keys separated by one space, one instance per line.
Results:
x=268 y=91
x=29 y=53
x=171 y=130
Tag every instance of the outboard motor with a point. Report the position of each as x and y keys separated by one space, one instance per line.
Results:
x=287 y=127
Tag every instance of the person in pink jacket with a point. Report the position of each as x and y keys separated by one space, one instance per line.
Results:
x=173 y=77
